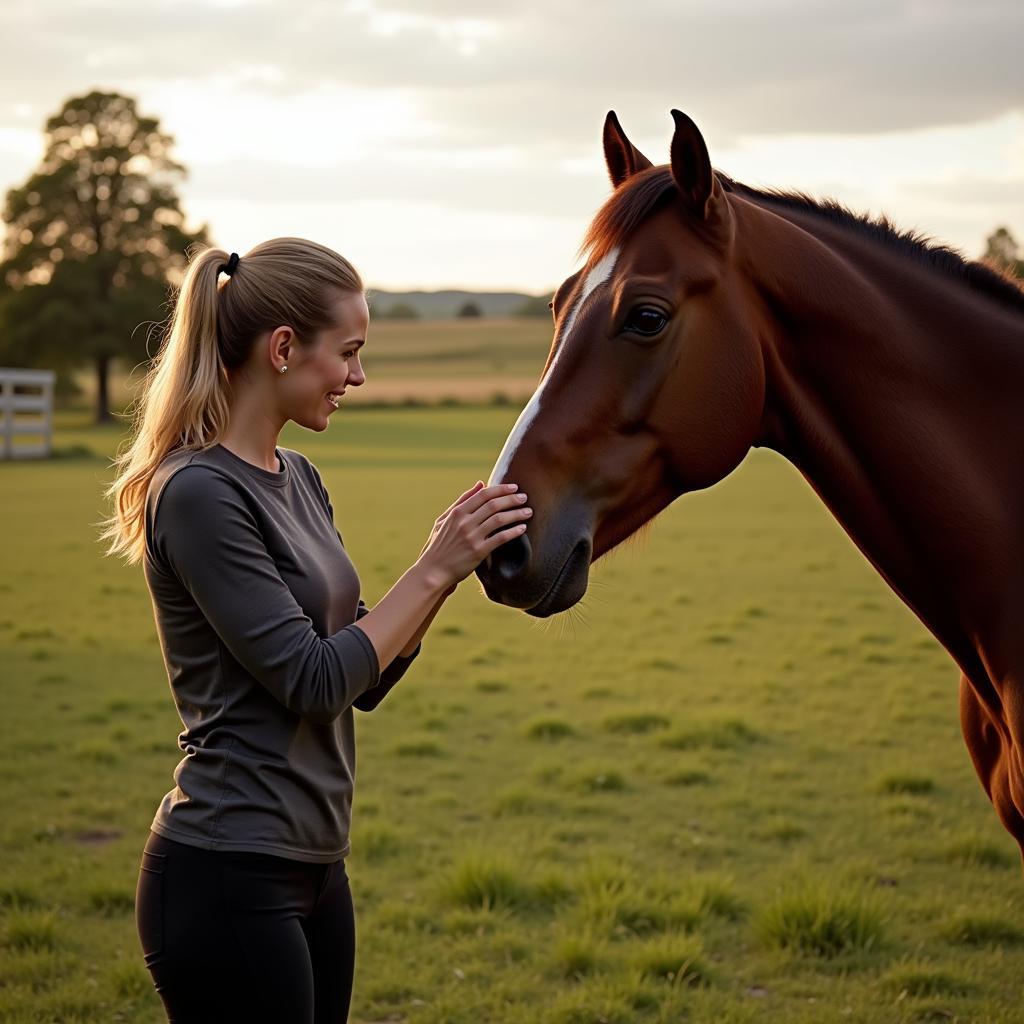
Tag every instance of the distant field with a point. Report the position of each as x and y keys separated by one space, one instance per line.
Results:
x=730 y=789
x=431 y=361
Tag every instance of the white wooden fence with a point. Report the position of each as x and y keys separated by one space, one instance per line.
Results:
x=34 y=394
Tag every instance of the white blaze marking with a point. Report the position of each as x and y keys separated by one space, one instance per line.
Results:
x=600 y=273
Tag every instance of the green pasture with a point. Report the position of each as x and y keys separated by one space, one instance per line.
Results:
x=729 y=788
x=419 y=362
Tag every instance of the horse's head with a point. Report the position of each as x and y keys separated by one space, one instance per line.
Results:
x=654 y=384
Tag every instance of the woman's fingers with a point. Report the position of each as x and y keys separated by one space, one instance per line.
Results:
x=483 y=495
x=468 y=494
x=489 y=510
x=502 y=537
x=472 y=491
x=480 y=520
x=504 y=515
x=461 y=498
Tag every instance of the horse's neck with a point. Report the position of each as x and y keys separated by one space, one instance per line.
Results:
x=896 y=390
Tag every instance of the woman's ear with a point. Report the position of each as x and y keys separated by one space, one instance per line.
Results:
x=281 y=345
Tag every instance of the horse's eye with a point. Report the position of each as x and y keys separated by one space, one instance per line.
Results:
x=645 y=320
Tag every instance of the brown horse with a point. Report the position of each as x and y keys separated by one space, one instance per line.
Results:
x=711 y=317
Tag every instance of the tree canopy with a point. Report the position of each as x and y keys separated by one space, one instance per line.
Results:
x=94 y=237
x=1001 y=248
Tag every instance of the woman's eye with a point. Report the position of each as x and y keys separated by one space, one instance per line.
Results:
x=645 y=320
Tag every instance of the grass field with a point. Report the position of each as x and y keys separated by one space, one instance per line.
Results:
x=731 y=789
x=428 y=361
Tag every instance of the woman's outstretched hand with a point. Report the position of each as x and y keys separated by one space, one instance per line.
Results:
x=460 y=540
x=474 y=525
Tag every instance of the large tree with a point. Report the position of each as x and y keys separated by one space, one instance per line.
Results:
x=1001 y=248
x=93 y=239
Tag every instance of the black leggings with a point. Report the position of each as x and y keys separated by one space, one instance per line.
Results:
x=245 y=936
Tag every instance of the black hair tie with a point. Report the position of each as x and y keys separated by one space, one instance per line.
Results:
x=229 y=267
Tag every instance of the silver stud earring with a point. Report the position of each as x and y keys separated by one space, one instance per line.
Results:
x=283 y=368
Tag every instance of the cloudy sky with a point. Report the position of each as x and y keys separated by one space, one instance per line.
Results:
x=442 y=143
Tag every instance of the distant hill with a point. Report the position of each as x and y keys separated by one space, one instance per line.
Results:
x=440 y=305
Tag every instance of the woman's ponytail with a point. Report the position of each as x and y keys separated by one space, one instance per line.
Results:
x=183 y=400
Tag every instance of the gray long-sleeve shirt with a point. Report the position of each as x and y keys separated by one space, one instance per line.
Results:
x=255 y=598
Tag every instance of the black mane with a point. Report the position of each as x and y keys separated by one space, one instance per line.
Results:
x=649 y=190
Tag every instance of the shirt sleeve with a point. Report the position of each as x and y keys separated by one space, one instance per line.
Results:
x=205 y=533
x=395 y=670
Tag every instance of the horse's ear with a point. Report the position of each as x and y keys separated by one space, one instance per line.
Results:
x=691 y=165
x=623 y=158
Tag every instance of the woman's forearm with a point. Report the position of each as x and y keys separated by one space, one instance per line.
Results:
x=395 y=624
x=425 y=624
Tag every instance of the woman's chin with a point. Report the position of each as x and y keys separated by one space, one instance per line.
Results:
x=317 y=423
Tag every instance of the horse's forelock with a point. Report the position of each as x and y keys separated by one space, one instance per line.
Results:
x=630 y=204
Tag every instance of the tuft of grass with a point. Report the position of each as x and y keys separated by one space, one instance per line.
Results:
x=906 y=784
x=663 y=665
x=111 y=901
x=376 y=843
x=35 y=634
x=418 y=748
x=909 y=807
x=876 y=639
x=921 y=981
x=479 y=921
x=619 y=906
x=718 y=638
x=549 y=729
x=578 y=955
x=591 y=1004
x=972 y=852
x=636 y=723
x=491 y=686
x=983 y=930
x=31 y=930
x=18 y=896
x=97 y=752
x=384 y=994
x=717 y=897
x=643 y=915
x=678 y=959
x=551 y=891
x=130 y=979
x=485 y=883
x=689 y=777
x=602 y=782
x=519 y=801
x=819 y=921
x=782 y=830
x=727 y=734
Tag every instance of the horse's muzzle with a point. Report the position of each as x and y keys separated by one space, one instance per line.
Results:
x=541 y=578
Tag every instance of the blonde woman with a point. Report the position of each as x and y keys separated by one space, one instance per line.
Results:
x=243 y=907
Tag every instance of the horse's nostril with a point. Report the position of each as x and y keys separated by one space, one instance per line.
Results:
x=508 y=561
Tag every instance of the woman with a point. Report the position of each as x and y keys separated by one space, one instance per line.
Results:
x=243 y=906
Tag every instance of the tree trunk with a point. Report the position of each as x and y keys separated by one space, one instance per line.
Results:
x=102 y=404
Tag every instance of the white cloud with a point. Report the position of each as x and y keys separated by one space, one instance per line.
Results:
x=387 y=120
